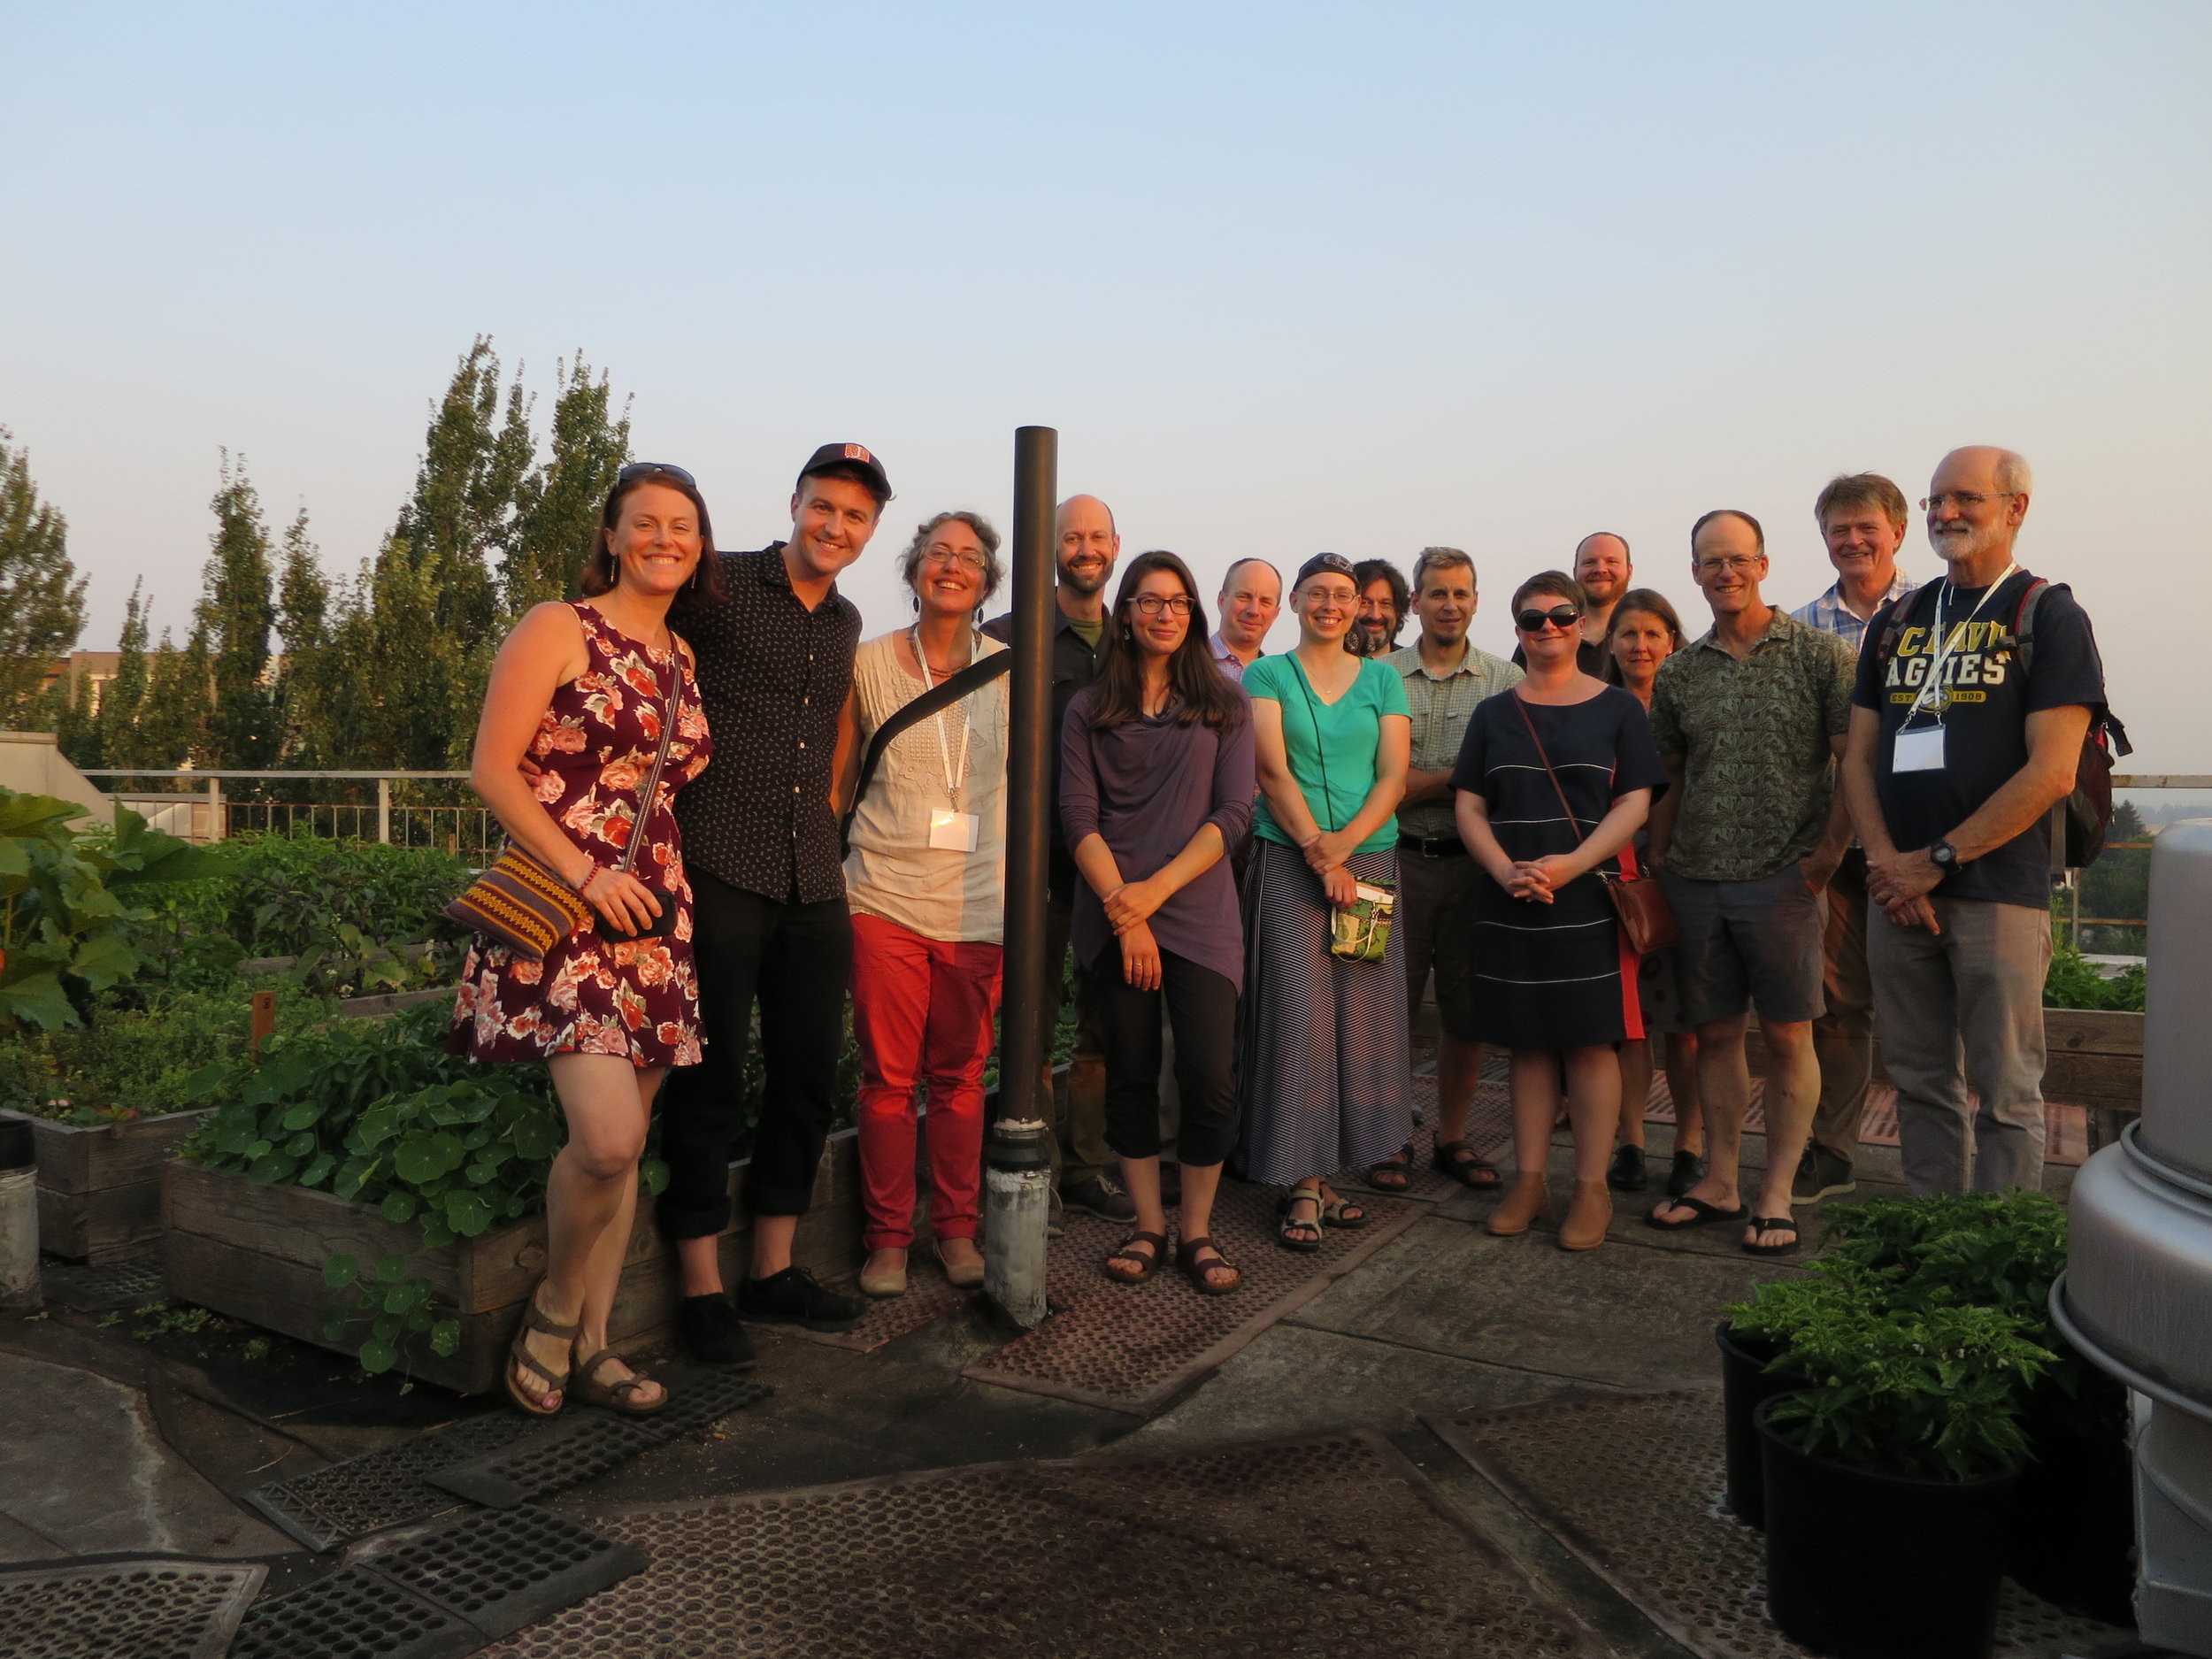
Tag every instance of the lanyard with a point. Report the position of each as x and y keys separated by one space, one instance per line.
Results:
x=954 y=777
x=1932 y=688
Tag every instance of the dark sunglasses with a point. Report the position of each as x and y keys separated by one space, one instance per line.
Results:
x=1561 y=616
x=640 y=469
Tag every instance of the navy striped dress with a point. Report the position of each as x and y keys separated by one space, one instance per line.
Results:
x=1551 y=976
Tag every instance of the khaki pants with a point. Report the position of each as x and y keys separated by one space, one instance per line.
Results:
x=1973 y=993
x=1843 y=1036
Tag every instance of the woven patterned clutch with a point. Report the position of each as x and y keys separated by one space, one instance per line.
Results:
x=521 y=904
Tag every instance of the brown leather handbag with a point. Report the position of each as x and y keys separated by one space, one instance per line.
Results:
x=1646 y=921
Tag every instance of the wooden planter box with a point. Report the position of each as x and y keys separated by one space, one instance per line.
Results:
x=256 y=1253
x=99 y=1188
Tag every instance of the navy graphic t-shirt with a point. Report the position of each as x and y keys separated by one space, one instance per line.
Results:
x=1984 y=711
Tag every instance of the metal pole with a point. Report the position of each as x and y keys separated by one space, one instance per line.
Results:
x=384 y=811
x=215 y=809
x=1017 y=1158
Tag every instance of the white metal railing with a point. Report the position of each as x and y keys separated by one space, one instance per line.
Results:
x=212 y=813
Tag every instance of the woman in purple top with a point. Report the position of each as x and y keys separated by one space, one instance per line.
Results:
x=1157 y=784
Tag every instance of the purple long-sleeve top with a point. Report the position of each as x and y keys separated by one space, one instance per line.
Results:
x=1146 y=788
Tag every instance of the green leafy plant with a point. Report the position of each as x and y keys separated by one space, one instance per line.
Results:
x=2073 y=981
x=397 y=1305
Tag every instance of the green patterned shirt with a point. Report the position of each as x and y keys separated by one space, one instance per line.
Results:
x=1757 y=775
x=1440 y=708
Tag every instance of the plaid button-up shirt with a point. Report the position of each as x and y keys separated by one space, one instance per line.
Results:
x=1831 y=615
x=1441 y=705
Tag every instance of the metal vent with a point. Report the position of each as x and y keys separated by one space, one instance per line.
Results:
x=98 y=1289
x=382 y=1488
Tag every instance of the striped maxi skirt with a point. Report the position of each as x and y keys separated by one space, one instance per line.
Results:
x=1325 y=1067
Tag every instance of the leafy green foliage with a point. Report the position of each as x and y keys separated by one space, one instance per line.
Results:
x=41 y=596
x=2074 y=982
x=396 y=1307
x=290 y=895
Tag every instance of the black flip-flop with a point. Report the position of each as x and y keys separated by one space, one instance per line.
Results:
x=1705 y=1215
x=1761 y=1225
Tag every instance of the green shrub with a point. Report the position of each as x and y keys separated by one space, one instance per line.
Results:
x=2073 y=981
x=288 y=895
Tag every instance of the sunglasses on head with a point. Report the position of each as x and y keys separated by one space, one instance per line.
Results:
x=1561 y=616
x=640 y=469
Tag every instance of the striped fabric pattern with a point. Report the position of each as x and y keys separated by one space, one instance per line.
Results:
x=521 y=904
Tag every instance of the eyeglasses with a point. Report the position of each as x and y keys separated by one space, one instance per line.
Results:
x=1152 y=604
x=938 y=553
x=1735 y=565
x=1963 y=500
x=1561 y=616
x=639 y=469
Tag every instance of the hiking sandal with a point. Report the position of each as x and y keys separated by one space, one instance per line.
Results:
x=1195 y=1271
x=518 y=1355
x=1287 y=1235
x=615 y=1396
x=1339 y=1211
x=1394 y=1173
x=1147 y=1263
x=1458 y=1159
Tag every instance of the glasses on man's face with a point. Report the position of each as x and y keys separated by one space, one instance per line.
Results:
x=639 y=469
x=1152 y=604
x=1964 y=500
x=1561 y=616
x=938 y=553
x=1735 y=565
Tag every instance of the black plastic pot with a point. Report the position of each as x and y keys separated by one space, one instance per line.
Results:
x=1745 y=1385
x=1867 y=1566
x=2073 y=1521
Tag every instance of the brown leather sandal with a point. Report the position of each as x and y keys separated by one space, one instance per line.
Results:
x=519 y=1354
x=1195 y=1271
x=615 y=1396
x=1458 y=1160
x=1158 y=1258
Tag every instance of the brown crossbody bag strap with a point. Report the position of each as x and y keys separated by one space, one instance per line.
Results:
x=1646 y=921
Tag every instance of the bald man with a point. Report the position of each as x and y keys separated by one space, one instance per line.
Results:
x=1086 y=544
x=1603 y=567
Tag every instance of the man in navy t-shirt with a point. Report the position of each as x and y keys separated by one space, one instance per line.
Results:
x=1958 y=752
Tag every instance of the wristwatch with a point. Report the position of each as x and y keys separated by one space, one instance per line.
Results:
x=1943 y=856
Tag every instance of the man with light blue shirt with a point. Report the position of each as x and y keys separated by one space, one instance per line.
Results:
x=1862 y=518
x=1250 y=599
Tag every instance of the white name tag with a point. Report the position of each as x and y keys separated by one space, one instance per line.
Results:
x=955 y=832
x=1918 y=751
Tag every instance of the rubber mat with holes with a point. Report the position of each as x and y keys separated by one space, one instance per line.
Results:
x=929 y=1295
x=382 y=1488
x=442 y=1593
x=176 y=1609
x=1664 y=1539
x=1334 y=1545
x=98 y=1289
x=1136 y=1347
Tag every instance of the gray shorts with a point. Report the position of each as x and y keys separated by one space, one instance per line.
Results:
x=1747 y=944
x=1436 y=915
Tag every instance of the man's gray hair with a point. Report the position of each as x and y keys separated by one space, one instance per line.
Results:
x=2013 y=473
x=1441 y=558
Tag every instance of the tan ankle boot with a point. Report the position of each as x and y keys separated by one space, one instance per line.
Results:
x=1529 y=1200
x=1587 y=1217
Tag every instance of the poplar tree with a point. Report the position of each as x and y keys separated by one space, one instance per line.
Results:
x=115 y=727
x=559 y=505
x=304 y=694
x=41 y=596
x=236 y=612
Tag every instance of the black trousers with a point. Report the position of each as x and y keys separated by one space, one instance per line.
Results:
x=1201 y=1006
x=796 y=959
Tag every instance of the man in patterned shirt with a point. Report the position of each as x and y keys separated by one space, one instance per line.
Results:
x=1862 y=518
x=1445 y=678
x=1749 y=720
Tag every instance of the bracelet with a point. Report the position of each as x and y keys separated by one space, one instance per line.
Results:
x=590 y=876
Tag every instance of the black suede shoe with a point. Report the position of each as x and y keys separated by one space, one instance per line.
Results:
x=1628 y=1174
x=1102 y=1196
x=710 y=1334
x=1820 y=1174
x=1688 y=1170
x=796 y=1297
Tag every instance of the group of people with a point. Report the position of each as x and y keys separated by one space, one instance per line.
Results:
x=1261 y=863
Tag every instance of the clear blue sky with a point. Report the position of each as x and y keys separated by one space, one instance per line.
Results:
x=1285 y=277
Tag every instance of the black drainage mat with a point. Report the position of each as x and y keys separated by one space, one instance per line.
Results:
x=98 y=1289
x=580 y=1445
x=174 y=1609
x=383 y=1488
x=442 y=1593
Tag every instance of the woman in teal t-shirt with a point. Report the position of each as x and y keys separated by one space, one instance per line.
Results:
x=1324 y=1068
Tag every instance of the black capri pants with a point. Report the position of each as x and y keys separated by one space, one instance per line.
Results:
x=1201 y=1006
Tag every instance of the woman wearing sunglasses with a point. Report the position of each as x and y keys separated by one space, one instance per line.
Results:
x=926 y=881
x=1325 y=1068
x=579 y=699
x=1553 y=777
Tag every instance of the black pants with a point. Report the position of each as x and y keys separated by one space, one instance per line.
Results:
x=797 y=959
x=1201 y=1006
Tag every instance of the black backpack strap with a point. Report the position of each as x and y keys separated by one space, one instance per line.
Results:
x=2023 y=625
x=1893 y=627
x=973 y=678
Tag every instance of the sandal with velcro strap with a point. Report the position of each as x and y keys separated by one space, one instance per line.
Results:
x=621 y=1395
x=1195 y=1271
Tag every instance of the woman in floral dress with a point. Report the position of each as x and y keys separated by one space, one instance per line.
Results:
x=572 y=721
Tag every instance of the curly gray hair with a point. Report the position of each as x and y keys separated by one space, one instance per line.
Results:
x=994 y=573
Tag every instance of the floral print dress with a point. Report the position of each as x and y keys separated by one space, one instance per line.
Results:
x=637 y=998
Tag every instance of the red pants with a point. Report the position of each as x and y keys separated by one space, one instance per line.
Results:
x=922 y=1012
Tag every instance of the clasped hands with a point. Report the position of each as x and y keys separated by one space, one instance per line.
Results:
x=1900 y=884
x=1326 y=851
x=1538 y=880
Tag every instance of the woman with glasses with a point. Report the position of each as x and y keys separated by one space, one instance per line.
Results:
x=1553 y=777
x=1155 y=786
x=1644 y=632
x=925 y=879
x=574 y=719
x=1327 y=1072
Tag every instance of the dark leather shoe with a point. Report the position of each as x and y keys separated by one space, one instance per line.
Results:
x=1688 y=1170
x=795 y=1296
x=1102 y=1196
x=708 y=1330
x=1628 y=1173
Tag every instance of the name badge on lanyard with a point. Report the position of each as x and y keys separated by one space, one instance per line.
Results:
x=1918 y=751
x=955 y=832
x=950 y=830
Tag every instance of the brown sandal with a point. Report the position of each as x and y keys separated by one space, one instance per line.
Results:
x=1398 y=1165
x=1195 y=1271
x=1159 y=1256
x=615 y=1396
x=1458 y=1160
x=534 y=1319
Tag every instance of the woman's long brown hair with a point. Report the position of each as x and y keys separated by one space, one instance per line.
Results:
x=1201 y=691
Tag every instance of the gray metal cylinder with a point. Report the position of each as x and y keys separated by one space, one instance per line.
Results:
x=2177 y=1128
x=1016 y=1207
x=19 y=1218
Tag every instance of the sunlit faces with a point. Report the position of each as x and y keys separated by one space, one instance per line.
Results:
x=1601 y=566
x=1726 y=562
x=654 y=539
x=1962 y=528
x=831 y=519
x=1324 y=604
x=1088 y=545
x=1557 y=638
x=1445 y=603
x=1158 y=614
x=1640 y=640
x=950 y=577
x=1378 y=617
x=1251 y=598
x=1860 y=537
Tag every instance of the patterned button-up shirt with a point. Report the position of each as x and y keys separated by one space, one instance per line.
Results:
x=775 y=676
x=1757 y=777
x=1831 y=615
x=1441 y=704
x=1231 y=663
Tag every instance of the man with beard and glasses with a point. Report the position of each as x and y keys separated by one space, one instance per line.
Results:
x=1086 y=546
x=1251 y=598
x=1383 y=596
x=1862 y=519
x=1974 y=697
x=1603 y=569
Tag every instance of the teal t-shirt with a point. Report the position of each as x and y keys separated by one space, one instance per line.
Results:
x=1336 y=741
